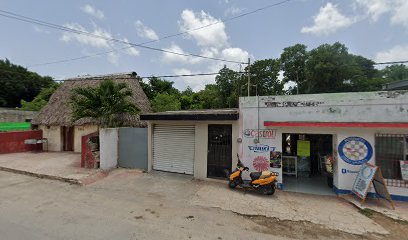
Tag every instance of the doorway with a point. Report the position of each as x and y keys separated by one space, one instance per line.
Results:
x=219 y=156
x=304 y=161
x=67 y=135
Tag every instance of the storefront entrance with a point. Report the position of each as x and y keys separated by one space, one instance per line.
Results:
x=304 y=161
x=219 y=158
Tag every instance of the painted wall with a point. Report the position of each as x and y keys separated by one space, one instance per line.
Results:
x=53 y=134
x=80 y=131
x=12 y=142
x=345 y=107
x=109 y=140
x=334 y=107
x=201 y=143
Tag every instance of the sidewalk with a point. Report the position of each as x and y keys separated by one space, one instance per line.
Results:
x=62 y=166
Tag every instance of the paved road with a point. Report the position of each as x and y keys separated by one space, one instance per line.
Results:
x=125 y=205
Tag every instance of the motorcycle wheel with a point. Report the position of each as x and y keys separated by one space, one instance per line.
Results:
x=268 y=190
x=232 y=184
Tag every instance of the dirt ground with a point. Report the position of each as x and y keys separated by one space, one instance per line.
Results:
x=306 y=230
x=135 y=205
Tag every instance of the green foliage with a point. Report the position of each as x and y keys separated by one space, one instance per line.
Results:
x=210 y=97
x=264 y=75
x=40 y=100
x=105 y=103
x=165 y=102
x=156 y=86
x=19 y=84
x=293 y=62
x=393 y=73
x=228 y=84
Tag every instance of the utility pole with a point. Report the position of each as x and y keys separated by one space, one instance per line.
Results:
x=249 y=75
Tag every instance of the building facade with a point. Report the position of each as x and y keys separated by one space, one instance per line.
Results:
x=301 y=136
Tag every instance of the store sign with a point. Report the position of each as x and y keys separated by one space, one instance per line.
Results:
x=355 y=150
x=345 y=171
x=363 y=180
x=261 y=133
x=261 y=148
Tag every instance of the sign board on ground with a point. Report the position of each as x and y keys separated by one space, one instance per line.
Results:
x=303 y=148
x=364 y=178
x=404 y=170
x=371 y=174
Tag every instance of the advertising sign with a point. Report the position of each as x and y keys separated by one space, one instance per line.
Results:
x=355 y=150
x=261 y=133
x=303 y=148
x=261 y=148
x=363 y=180
x=404 y=170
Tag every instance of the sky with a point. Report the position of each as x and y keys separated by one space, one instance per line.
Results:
x=375 y=29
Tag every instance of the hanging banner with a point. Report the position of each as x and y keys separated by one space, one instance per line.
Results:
x=404 y=170
x=303 y=148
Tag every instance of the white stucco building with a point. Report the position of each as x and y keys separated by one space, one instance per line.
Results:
x=353 y=128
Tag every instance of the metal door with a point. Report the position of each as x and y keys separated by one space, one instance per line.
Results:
x=173 y=148
x=133 y=148
x=219 y=158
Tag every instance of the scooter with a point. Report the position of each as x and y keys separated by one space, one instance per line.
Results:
x=263 y=182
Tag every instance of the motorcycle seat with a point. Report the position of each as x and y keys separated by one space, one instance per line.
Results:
x=255 y=175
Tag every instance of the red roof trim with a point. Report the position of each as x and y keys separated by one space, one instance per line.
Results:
x=335 y=124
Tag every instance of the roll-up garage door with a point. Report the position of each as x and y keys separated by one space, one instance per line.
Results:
x=173 y=148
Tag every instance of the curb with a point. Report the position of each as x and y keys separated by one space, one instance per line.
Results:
x=43 y=176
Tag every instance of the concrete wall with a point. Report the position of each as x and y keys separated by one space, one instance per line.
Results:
x=9 y=115
x=109 y=140
x=334 y=107
x=80 y=131
x=201 y=143
x=53 y=134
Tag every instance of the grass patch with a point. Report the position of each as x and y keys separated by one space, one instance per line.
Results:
x=14 y=126
x=367 y=212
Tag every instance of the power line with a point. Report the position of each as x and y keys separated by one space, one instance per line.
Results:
x=387 y=63
x=62 y=28
x=144 y=43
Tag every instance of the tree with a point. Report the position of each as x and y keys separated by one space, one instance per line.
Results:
x=227 y=82
x=393 y=73
x=293 y=62
x=165 y=102
x=105 y=103
x=156 y=86
x=264 y=75
x=17 y=83
x=40 y=100
x=210 y=97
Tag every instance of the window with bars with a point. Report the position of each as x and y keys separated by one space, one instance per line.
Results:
x=390 y=149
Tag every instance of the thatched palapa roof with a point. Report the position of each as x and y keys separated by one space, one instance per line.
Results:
x=58 y=110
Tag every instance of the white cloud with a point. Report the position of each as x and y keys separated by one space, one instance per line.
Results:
x=235 y=54
x=375 y=8
x=144 y=31
x=213 y=36
x=233 y=10
x=397 y=53
x=328 y=21
x=131 y=51
x=87 y=39
x=197 y=83
x=397 y=9
x=400 y=14
x=113 y=58
x=40 y=29
x=170 y=58
x=88 y=9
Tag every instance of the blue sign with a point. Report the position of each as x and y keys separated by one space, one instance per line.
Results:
x=261 y=148
x=344 y=171
x=355 y=150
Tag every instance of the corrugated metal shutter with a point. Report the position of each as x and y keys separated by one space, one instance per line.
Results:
x=173 y=148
